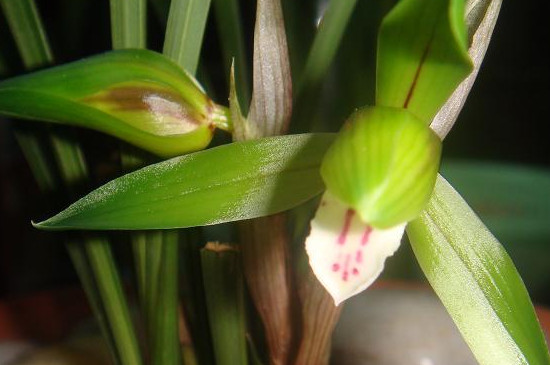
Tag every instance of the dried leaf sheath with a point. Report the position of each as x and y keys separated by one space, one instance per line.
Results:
x=271 y=106
x=319 y=317
x=265 y=261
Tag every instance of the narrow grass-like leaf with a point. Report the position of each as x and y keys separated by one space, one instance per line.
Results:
x=476 y=281
x=271 y=106
x=27 y=29
x=128 y=23
x=481 y=17
x=326 y=42
x=224 y=288
x=112 y=295
x=33 y=46
x=26 y=26
x=166 y=346
x=422 y=55
x=230 y=30
x=184 y=32
x=136 y=95
x=227 y=183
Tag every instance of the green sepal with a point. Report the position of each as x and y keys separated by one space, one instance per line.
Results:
x=383 y=164
x=138 y=96
x=232 y=182
x=422 y=55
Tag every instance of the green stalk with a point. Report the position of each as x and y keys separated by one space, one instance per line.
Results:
x=95 y=266
x=166 y=346
x=102 y=267
x=223 y=284
x=326 y=42
x=27 y=29
x=156 y=259
x=230 y=31
x=128 y=23
x=184 y=32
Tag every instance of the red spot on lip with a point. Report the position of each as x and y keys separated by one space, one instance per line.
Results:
x=335 y=267
x=355 y=271
x=366 y=235
x=359 y=256
x=347 y=223
x=346 y=268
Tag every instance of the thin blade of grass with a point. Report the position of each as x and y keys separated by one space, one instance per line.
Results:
x=155 y=252
x=184 y=32
x=30 y=38
x=27 y=29
x=230 y=31
x=35 y=51
x=326 y=42
x=166 y=345
x=128 y=23
x=223 y=284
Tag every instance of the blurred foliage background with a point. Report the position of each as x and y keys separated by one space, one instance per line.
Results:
x=502 y=124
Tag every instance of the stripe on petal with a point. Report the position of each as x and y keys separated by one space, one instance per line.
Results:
x=346 y=254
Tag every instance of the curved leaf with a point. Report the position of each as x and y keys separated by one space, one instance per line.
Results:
x=232 y=182
x=476 y=281
x=136 y=95
x=422 y=55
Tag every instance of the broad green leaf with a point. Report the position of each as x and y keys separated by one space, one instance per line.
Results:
x=383 y=165
x=476 y=281
x=227 y=183
x=136 y=95
x=422 y=55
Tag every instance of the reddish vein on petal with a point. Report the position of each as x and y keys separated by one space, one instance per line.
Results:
x=345 y=229
x=366 y=235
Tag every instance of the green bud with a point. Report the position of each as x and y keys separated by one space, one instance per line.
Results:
x=383 y=164
x=138 y=96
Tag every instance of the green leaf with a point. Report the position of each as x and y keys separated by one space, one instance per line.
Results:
x=422 y=55
x=26 y=27
x=230 y=30
x=184 y=32
x=383 y=164
x=224 y=289
x=128 y=23
x=476 y=281
x=227 y=183
x=326 y=42
x=138 y=96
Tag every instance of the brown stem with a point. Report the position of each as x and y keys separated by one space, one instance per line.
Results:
x=265 y=261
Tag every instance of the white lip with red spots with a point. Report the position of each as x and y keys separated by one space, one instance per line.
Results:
x=346 y=254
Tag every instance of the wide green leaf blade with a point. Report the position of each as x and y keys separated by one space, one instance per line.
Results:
x=422 y=55
x=476 y=281
x=136 y=95
x=227 y=183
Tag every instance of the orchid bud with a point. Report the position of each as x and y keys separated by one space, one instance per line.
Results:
x=383 y=165
x=138 y=96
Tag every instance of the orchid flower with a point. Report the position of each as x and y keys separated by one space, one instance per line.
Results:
x=379 y=174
